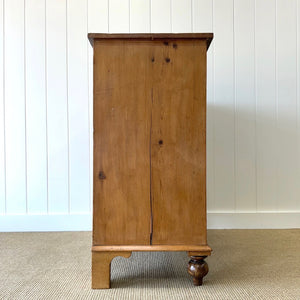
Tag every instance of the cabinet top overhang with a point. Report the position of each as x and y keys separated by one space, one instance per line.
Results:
x=152 y=36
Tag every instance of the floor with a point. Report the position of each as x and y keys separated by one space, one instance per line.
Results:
x=245 y=264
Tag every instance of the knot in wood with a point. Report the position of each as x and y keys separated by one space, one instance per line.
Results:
x=102 y=175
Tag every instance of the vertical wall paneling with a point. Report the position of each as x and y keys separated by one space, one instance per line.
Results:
x=253 y=100
x=119 y=16
x=78 y=106
x=181 y=16
x=139 y=16
x=202 y=15
x=97 y=15
x=298 y=95
x=202 y=19
x=57 y=106
x=161 y=16
x=2 y=114
x=15 y=122
x=224 y=109
x=245 y=114
x=266 y=139
x=36 y=106
x=287 y=104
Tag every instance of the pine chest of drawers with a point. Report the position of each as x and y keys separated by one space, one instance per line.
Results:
x=149 y=148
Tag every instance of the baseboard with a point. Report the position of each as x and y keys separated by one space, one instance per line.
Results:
x=215 y=220
x=253 y=220
x=52 y=222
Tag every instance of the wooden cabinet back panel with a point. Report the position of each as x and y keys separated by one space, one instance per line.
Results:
x=122 y=99
x=178 y=155
x=149 y=142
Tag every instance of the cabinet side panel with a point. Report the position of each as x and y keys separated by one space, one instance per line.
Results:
x=179 y=143
x=122 y=100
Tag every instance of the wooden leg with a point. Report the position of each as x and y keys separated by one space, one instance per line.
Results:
x=198 y=268
x=101 y=267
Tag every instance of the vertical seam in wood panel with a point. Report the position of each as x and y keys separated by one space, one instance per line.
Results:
x=25 y=112
x=255 y=96
x=276 y=105
x=129 y=18
x=67 y=95
x=171 y=19
x=234 y=113
x=89 y=102
x=192 y=19
x=150 y=15
x=46 y=106
x=150 y=162
x=4 y=132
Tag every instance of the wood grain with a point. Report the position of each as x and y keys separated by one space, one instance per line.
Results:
x=101 y=268
x=197 y=268
x=194 y=250
x=152 y=36
x=122 y=99
x=149 y=150
x=178 y=159
x=149 y=142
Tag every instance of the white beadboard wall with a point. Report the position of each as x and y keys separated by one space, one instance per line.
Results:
x=253 y=121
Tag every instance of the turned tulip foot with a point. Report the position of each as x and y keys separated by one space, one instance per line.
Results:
x=197 y=268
